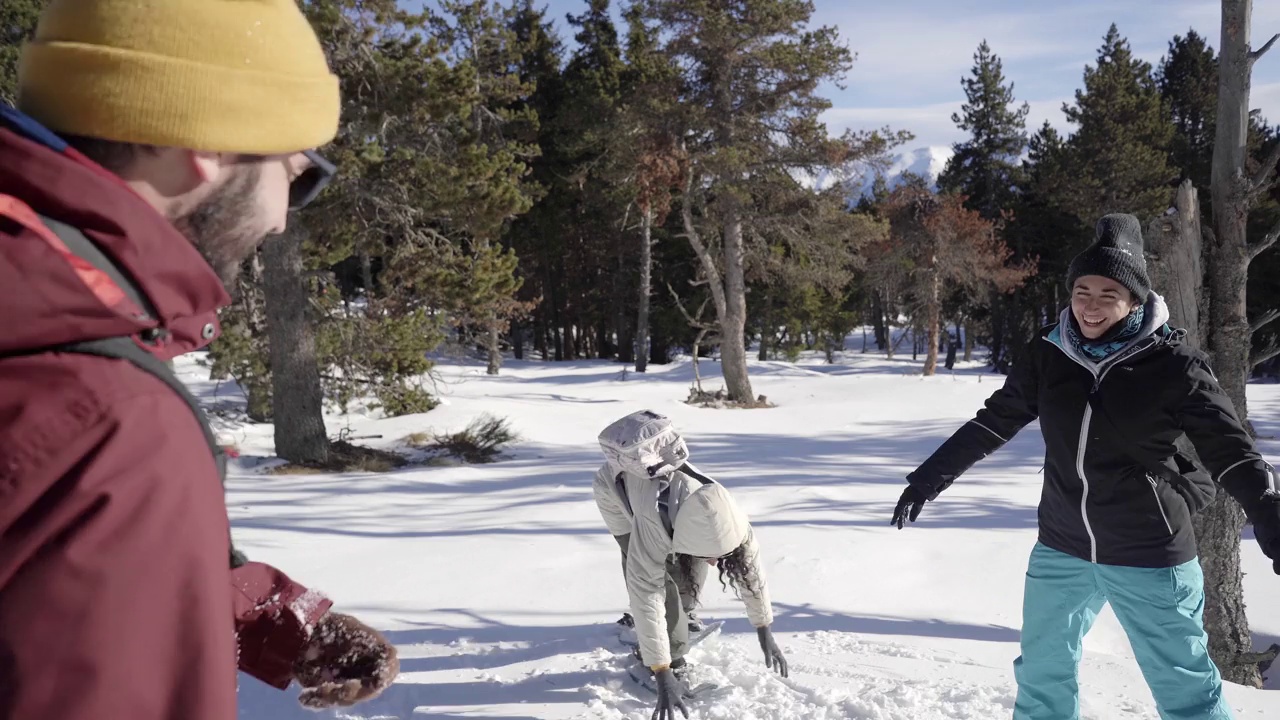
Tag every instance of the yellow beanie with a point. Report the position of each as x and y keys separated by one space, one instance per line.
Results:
x=242 y=76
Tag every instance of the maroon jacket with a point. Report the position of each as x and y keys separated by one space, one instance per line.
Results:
x=116 y=599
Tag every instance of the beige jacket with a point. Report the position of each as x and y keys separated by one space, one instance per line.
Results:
x=707 y=524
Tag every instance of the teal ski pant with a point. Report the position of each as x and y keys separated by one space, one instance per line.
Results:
x=1160 y=609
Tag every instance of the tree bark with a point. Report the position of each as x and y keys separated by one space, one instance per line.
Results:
x=766 y=312
x=733 y=325
x=257 y=390
x=296 y=396
x=728 y=295
x=646 y=290
x=493 y=347
x=1175 y=252
x=1227 y=333
x=878 y=323
x=968 y=340
x=366 y=275
x=933 y=329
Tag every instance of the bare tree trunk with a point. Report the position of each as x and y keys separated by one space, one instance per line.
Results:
x=933 y=320
x=697 y=349
x=968 y=340
x=296 y=397
x=728 y=295
x=646 y=290
x=493 y=347
x=1175 y=251
x=766 y=329
x=257 y=390
x=878 y=322
x=733 y=326
x=1228 y=339
x=366 y=275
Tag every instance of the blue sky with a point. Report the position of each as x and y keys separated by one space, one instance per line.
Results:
x=913 y=53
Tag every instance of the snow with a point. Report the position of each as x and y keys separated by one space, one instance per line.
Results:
x=499 y=584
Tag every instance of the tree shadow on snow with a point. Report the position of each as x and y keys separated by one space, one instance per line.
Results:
x=544 y=476
x=417 y=701
x=485 y=643
x=806 y=619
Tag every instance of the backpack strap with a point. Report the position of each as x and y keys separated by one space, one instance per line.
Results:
x=98 y=273
x=95 y=267
x=79 y=245
x=664 y=497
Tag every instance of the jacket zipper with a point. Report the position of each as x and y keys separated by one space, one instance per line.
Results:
x=1084 y=437
x=1084 y=443
x=1155 y=491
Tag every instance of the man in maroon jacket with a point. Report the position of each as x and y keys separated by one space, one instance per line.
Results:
x=173 y=136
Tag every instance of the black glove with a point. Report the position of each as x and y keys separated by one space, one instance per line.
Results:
x=909 y=505
x=773 y=657
x=1266 y=527
x=670 y=692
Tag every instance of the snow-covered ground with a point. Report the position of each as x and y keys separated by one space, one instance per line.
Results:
x=500 y=585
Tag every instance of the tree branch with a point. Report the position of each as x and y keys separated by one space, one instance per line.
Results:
x=1259 y=182
x=1261 y=356
x=693 y=323
x=1257 y=54
x=1266 y=242
x=1264 y=320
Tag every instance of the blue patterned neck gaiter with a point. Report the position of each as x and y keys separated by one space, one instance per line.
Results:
x=1115 y=340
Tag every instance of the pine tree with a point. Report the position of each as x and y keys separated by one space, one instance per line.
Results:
x=986 y=167
x=17 y=24
x=645 y=160
x=495 y=148
x=751 y=72
x=937 y=249
x=1120 y=148
x=1188 y=80
x=538 y=236
x=593 y=87
x=986 y=170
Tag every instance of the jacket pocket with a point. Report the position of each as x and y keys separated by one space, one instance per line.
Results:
x=1155 y=492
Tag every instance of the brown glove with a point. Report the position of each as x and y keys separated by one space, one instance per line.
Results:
x=345 y=662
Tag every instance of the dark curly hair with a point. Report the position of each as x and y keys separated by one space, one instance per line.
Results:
x=735 y=568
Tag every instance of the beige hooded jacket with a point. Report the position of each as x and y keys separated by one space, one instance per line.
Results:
x=706 y=523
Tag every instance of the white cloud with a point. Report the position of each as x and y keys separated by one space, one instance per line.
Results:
x=1266 y=98
x=932 y=124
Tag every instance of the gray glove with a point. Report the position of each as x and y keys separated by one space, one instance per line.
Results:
x=773 y=657
x=670 y=690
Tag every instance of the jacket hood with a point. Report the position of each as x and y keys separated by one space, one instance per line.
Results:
x=709 y=524
x=45 y=298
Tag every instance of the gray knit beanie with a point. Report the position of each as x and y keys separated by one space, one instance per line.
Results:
x=1115 y=254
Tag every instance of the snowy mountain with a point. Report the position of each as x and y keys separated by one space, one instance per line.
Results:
x=926 y=161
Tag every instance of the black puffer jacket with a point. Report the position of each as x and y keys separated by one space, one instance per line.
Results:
x=1116 y=491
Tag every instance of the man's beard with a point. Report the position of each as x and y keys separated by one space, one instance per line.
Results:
x=222 y=226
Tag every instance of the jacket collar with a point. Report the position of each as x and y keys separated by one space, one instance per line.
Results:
x=42 y=304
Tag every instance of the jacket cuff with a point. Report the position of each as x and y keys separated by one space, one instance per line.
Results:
x=274 y=620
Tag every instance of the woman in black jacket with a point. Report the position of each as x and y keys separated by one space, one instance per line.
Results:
x=1114 y=387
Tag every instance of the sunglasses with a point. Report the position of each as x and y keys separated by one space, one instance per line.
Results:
x=312 y=181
